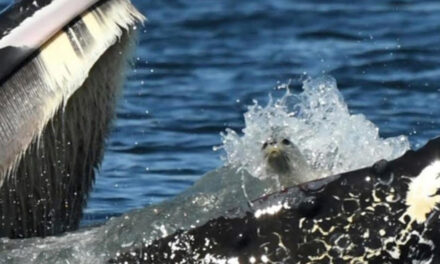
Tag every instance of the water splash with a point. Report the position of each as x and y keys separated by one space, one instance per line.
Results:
x=318 y=121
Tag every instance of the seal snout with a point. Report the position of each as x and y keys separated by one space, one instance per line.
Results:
x=273 y=152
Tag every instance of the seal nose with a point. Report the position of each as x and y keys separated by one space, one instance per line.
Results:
x=273 y=152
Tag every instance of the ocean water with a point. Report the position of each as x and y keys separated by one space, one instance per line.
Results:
x=200 y=63
x=199 y=66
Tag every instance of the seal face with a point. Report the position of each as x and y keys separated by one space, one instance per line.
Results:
x=284 y=160
x=277 y=155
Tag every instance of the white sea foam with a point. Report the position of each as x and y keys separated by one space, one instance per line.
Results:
x=319 y=122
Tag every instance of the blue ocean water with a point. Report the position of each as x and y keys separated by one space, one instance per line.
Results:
x=200 y=63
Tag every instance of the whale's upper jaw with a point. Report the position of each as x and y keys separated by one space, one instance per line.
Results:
x=24 y=28
x=62 y=67
x=60 y=63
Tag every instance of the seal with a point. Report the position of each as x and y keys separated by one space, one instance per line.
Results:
x=284 y=160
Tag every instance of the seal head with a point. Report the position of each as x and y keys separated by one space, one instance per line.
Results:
x=284 y=159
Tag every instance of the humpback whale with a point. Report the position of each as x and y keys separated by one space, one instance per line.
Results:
x=386 y=213
x=62 y=68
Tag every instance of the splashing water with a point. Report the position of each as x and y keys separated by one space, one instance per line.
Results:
x=318 y=121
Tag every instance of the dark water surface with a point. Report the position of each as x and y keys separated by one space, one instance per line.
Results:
x=200 y=62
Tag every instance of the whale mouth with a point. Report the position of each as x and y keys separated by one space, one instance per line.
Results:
x=59 y=83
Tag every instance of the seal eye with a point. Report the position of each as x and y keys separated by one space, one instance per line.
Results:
x=286 y=142
x=264 y=145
